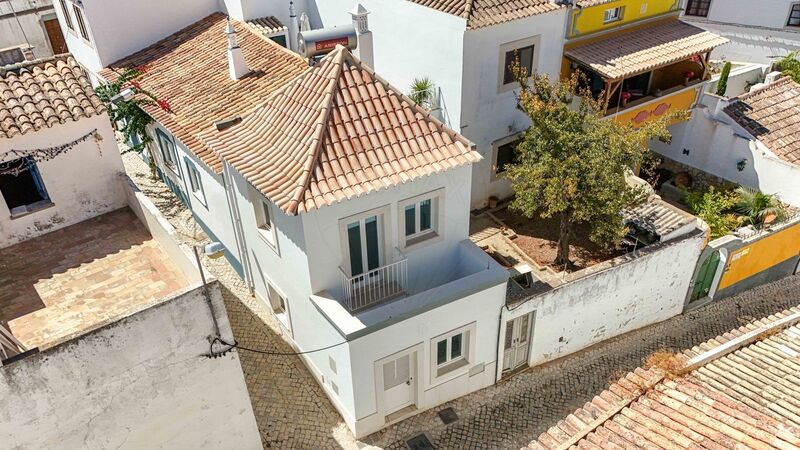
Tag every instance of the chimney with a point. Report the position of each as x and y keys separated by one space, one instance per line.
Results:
x=365 y=48
x=294 y=28
x=237 y=66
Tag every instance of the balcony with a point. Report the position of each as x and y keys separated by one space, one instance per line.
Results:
x=366 y=290
x=651 y=107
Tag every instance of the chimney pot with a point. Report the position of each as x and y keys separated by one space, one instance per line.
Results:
x=237 y=66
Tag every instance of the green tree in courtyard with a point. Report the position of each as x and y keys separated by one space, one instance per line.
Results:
x=790 y=66
x=574 y=164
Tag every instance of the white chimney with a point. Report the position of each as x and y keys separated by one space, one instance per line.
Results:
x=364 y=50
x=294 y=28
x=237 y=66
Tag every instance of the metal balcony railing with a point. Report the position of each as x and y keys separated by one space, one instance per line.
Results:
x=368 y=289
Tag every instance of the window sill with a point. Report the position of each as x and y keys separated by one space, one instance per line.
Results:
x=422 y=241
x=32 y=208
x=452 y=368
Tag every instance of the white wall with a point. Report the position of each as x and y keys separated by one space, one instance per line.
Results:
x=489 y=111
x=622 y=298
x=140 y=382
x=410 y=41
x=82 y=183
x=758 y=31
x=119 y=28
x=253 y=9
x=715 y=144
x=30 y=14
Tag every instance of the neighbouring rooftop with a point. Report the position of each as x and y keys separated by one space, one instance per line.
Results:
x=772 y=115
x=39 y=94
x=189 y=70
x=267 y=26
x=337 y=132
x=739 y=390
x=484 y=13
x=75 y=279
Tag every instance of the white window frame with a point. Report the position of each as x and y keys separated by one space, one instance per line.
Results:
x=281 y=313
x=534 y=41
x=195 y=181
x=385 y=217
x=81 y=25
x=426 y=237
x=615 y=15
x=67 y=16
x=453 y=367
x=170 y=154
x=792 y=6
x=265 y=225
x=496 y=151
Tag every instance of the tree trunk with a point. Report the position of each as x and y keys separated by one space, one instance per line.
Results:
x=562 y=259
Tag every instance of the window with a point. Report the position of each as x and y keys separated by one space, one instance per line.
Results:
x=168 y=152
x=612 y=15
x=420 y=217
x=81 y=24
x=276 y=300
x=698 y=7
x=452 y=351
x=506 y=154
x=22 y=189
x=264 y=221
x=525 y=55
x=67 y=17
x=11 y=56
x=794 y=16
x=195 y=182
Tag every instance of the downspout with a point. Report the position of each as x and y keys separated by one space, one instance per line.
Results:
x=498 y=369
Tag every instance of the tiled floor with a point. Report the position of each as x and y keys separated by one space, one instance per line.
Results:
x=67 y=281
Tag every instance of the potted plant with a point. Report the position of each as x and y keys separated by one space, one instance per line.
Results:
x=687 y=76
x=758 y=208
x=625 y=96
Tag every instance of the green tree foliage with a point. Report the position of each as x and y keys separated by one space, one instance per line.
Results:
x=715 y=207
x=722 y=86
x=573 y=163
x=756 y=206
x=790 y=66
x=129 y=115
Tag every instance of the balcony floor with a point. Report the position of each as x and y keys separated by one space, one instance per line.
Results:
x=65 y=282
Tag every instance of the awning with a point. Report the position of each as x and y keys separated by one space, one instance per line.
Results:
x=644 y=49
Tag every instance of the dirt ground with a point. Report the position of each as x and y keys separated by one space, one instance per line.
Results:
x=538 y=238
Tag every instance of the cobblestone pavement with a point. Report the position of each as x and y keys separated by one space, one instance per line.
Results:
x=293 y=412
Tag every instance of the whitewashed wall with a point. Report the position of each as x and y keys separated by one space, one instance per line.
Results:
x=621 y=298
x=489 y=110
x=31 y=14
x=140 y=382
x=82 y=183
x=410 y=41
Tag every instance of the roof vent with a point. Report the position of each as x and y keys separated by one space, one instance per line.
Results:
x=221 y=125
x=237 y=66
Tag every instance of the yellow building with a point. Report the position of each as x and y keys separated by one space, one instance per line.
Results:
x=637 y=56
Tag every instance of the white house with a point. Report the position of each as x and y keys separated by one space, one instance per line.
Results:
x=752 y=140
x=59 y=162
x=29 y=29
x=758 y=32
x=464 y=48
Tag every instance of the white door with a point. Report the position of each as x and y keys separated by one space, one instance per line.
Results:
x=399 y=384
x=364 y=239
x=516 y=348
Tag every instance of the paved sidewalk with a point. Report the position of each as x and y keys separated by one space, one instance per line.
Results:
x=293 y=412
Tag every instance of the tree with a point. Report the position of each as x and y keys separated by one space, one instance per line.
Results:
x=790 y=66
x=129 y=116
x=574 y=164
x=722 y=86
x=715 y=207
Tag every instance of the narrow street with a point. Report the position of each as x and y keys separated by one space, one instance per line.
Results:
x=293 y=412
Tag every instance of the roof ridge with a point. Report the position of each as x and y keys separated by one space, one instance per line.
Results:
x=784 y=79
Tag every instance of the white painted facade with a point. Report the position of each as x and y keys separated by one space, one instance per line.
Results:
x=713 y=142
x=758 y=31
x=22 y=23
x=81 y=183
x=140 y=382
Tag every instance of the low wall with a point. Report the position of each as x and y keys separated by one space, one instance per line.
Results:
x=162 y=231
x=617 y=297
x=140 y=382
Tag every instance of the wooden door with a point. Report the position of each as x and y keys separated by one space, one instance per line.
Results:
x=55 y=36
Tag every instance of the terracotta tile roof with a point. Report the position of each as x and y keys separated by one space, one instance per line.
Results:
x=267 y=25
x=658 y=216
x=189 y=69
x=743 y=393
x=644 y=49
x=484 y=13
x=337 y=132
x=40 y=94
x=772 y=115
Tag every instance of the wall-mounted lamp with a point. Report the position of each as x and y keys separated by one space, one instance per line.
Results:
x=124 y=95
x=741 y=164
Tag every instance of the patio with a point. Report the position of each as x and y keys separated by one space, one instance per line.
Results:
x=76 y=279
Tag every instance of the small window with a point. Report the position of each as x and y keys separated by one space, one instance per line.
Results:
x=22 y=186
x=698 y=8
x=450 y=350
x=525 y=55
x=276 y=300
x=419 y=217
x=612 y=15
x=264 y=222
x=11 y=56
x=67 y=17
x=794 y=16
x=506 y=154
x=195 y=182
x=168 y=152
x=81 y=24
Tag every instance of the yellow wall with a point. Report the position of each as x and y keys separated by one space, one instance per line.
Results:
x=761 y=255
x=666 y=104
x=589 y=20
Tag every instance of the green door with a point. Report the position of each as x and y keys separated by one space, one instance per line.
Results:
x=705 y=277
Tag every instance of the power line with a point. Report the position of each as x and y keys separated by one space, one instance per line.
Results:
x=230 y=347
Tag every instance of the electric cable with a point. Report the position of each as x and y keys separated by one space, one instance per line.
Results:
x=215 y=354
